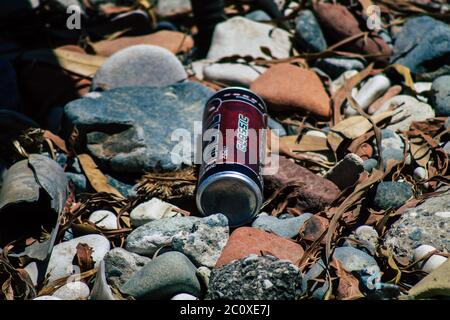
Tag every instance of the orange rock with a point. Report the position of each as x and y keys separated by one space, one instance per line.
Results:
x=173 y=41
x=285 y=87
x=245 y=241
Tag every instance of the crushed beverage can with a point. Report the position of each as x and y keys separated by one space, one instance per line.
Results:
x=233 y=152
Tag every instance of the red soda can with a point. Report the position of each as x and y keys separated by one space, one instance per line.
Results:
x=234 y=132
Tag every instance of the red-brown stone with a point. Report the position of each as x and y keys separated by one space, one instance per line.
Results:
x=245 y=241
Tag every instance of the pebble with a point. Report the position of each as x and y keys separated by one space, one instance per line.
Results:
x=353 y=259
x=162 y=278
x=151 y=210
x=420 y=173
x=46 y=298
x=145 y=119
x=283 y=86
x=370 y=164
x=441 y=97
x=415 y=48
x=392 y=146
x=421 y=225
x=430 y=264
x=412 y=110
x=256 y=278
x=367 y=239
x=156 y=67
x=313 y=228
x=315 y=193
x=33 y=272
x=205 y=242
x=184 y=297
x=346 y=172
x=316 y=133
x=121 y=264
x=258 y=15
x=308 y=33
x=60 y=263
x=104 y=219
x=338 y=23
x=245 y=241
x=175 y=42
x=148 y=238
x=204 y=274
x=244 y=37
x=374 y=88
x=286 y=228
x=390 y=194
x=101 y=289
x=76 y=290
x=335 y=67
x=170 y=8
x=233 y=74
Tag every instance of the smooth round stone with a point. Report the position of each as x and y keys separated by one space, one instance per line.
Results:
x=33 y=272
x=162 y=278
x=370 y=164
x=153 y=209
x=367 y=238
x=244 y=37
x=308 y=33
x=441 y=98
x=391 y=195
x=258 y=15
x=432 y=262
x=60 y=263
x=184 y=297
x=47 y=298
x=139 y=65
x=286 y=228
x=372 y=90
x=76 y=290
x=316 y=133
x=421 y=40
x=392 y=146
x=420 y=173
x=104 y=219
x=334 y=67
x=233 y=74
x=121 y=264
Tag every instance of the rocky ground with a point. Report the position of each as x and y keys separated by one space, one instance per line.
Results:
x=93 y=207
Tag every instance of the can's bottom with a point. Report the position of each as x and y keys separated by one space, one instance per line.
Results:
x=231 y=193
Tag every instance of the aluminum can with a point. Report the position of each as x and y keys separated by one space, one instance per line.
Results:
x=234 y=130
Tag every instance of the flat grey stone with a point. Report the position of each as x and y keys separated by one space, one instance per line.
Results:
x=286 y=228
x=353 y=259
x=441 y=98
x=308 y=32
x=130 y=129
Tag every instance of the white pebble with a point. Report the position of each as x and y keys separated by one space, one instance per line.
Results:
x=372 y=90
x=184 y=296
x=422 y=251
x=46 y=298
x=420 y=173
x=433 y=263
x=104 y=219
x=421 y=87
x=316 y=133
x=76 y=290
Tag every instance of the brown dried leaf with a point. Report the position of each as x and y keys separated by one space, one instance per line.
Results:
x=83 y=257
x=307 y=143
x=96 y=178
x=60 y=143
x=348 y=288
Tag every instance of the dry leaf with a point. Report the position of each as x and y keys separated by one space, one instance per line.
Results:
x=307 y=143
x=96 y=178
x=83 y=257
x=348 y=288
